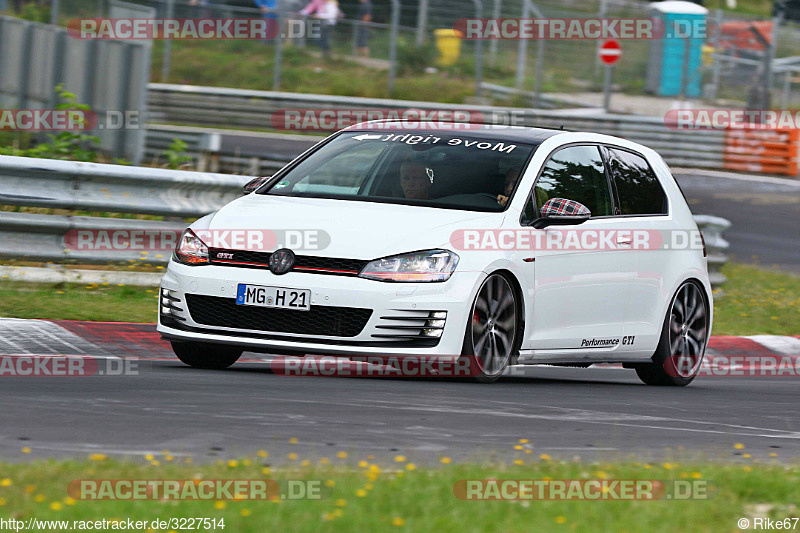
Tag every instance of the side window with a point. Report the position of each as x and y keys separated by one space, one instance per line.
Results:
x=638 y=188
x=575 y=173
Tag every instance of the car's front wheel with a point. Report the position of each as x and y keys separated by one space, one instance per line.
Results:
x=683 y=340
x=208 y=356
x=491 y=336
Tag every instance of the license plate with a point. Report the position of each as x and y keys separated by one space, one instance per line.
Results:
x=296 y=299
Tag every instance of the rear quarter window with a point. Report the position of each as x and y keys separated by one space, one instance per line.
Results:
x=638 y=188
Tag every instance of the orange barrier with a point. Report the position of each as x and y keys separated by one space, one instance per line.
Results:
x=738 y=35
x=768 y=151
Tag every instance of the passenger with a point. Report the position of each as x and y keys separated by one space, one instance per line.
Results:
x=508 y=188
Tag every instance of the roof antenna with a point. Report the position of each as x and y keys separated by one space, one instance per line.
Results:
x=561 y=127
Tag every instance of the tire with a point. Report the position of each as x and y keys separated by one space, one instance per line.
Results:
x=206 y=356
x=682 y=345
x=492 y=335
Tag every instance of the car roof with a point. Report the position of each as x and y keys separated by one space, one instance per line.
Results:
x=497 y=132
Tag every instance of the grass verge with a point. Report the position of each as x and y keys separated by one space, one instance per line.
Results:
x=753 y=301
x=249 y=65
x=78 y=302
x=404 y=498
x=756 y=301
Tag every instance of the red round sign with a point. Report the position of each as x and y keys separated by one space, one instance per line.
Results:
x=610 y=52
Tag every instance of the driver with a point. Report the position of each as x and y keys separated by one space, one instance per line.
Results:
x=414 y=180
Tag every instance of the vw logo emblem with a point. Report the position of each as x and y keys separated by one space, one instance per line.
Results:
x=281 y=261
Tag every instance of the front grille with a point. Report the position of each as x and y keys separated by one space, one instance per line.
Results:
x=303 y=263
x=310 y=262
x=320 y=320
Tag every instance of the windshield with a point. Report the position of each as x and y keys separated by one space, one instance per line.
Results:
x=456 y=170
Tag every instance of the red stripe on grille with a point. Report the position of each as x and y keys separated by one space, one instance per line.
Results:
x=327 y=270
x=240 y=263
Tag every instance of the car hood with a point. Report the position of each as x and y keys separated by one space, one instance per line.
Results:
x=346 y=228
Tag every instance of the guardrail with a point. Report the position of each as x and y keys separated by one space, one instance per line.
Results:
x=712 y=229
x=115 y=188
x=52 y=183
x=248 y=109
x=546 y=101
x=56 y=238
x=215 y=150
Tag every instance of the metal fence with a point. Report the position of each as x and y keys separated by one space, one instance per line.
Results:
x=752 y=62
x=735 y=51
x=386 y=33
x=732 y=70
x=34 y=58
x=82 y=186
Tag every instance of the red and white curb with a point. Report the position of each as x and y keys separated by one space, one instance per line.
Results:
x=125 y=339
x=773 y=344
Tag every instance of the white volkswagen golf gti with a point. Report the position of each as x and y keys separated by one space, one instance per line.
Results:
x=498 y=245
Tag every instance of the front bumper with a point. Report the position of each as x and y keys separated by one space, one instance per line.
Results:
x=397 y=312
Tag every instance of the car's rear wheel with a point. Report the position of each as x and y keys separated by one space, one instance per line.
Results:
x=491 y=336
x=683 y=340
x=208 y=356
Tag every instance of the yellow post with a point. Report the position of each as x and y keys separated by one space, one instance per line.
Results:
x=448 y=42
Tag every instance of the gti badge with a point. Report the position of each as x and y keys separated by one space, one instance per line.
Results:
x=222 y=255
x=281 y=261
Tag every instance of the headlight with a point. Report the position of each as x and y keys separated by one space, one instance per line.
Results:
x=430 y=265
x=191 y=250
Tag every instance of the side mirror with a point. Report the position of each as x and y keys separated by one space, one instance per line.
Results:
x=561 y=212
x=254 y=184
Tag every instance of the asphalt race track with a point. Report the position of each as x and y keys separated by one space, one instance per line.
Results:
x=764 y=212
x=591 y=413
